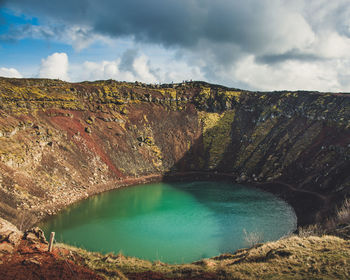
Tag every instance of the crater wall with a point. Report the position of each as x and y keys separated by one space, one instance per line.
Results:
x=61 y=142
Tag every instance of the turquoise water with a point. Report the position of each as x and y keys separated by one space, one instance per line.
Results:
x=173 y=222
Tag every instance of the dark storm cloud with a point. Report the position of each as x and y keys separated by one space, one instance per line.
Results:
x=172 y=23
x=290 y=55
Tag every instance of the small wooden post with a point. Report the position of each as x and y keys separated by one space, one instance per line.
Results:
x=52 y=238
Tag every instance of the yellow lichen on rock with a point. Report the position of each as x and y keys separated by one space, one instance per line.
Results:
x=205 y=92
x=233 y=95
x=216 y=134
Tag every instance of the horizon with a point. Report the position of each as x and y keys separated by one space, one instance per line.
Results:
x=182 y=82
x=255 y=45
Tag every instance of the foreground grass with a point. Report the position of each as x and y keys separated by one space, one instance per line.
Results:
x=312 y=257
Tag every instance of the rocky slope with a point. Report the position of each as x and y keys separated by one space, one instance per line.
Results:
x=61 y=142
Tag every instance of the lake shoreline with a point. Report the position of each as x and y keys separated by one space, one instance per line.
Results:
x=211 y=217
x=308 y=206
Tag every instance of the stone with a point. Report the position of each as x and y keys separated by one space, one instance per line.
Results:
x=4 y=236
x=6 y=248
x=35 y=235
x=14 y=237
x=9 y=232
x=31 y=262
x=109 y=259
x=31 y=237
x=91 y=119
x=124 y=111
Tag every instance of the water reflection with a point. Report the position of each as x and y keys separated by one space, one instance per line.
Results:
x=176 y=222
x=124 y=203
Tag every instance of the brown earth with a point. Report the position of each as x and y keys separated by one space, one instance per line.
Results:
x=34 y=262
x=62 y=142
x=26 y=256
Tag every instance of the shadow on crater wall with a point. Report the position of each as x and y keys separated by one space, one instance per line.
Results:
x=285 y=153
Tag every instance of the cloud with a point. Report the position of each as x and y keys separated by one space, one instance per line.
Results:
x=55 y=66
x=29 y=31
x=9 y=72
x=143 y=70
x=122 y=68
x=133 y=65
x=224 y=30
x=294 y=75
x=291 y=55
x=252 y=43
x=79 y=37
x=100 y=71
x=127 y=60
x=253 y=25
x=129 y=67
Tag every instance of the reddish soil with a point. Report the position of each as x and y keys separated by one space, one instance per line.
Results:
x=75 y=126
x=32 y=261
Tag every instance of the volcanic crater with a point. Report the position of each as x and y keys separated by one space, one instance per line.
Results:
x=62 y=142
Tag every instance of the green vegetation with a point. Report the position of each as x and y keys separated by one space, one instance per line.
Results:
x=216 y=134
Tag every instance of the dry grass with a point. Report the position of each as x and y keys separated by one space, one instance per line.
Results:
x=252 y=238
x=338 y=224
x=343 y=213
x=311 y=230
x=294 y=257
x=24 y=220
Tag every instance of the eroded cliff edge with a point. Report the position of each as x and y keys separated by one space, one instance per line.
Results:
x=61 y=142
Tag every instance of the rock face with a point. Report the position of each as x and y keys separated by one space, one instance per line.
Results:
x=61 y=142
x=35 y=235
x=10 y=237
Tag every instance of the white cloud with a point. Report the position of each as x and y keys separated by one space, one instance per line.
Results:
x=136 y=68
x=9 y=72
x=81 y=37
x=294 y=75
x=100 y=71
x=55 y=66
x=142 y=69
x=283 y=28
x=332 y=45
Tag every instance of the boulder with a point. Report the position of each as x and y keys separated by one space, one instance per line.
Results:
x=6 y=248
x=35 y=235
x=9 y=233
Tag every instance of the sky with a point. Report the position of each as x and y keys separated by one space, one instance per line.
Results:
x=248 y=44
